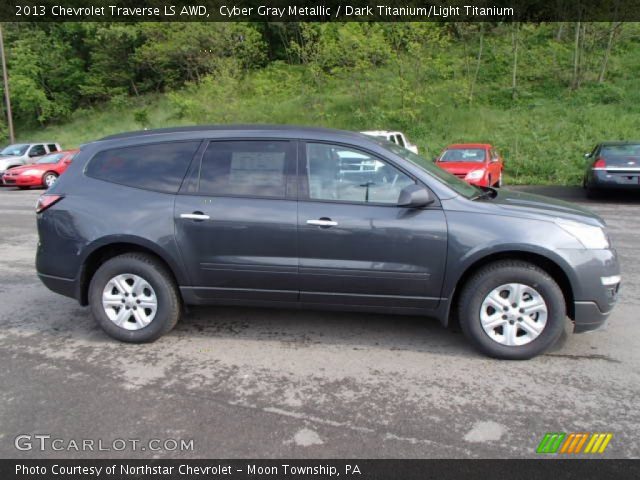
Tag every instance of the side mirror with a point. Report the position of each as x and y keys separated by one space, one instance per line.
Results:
x=414 y=196
x=435 y=159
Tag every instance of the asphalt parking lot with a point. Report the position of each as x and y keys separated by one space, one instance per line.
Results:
x=245 y=382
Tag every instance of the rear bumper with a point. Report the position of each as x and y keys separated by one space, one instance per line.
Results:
x=64 y=286
x=614 y=180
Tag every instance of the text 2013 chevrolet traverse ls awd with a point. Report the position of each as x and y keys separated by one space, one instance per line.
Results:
x=142 y=223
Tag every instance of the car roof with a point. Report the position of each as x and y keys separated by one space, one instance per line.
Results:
x=470 y=145
x=231 y=128
x=381 y=132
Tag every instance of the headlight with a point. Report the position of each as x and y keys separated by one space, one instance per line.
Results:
x=30 y=172
x=475 y=175
x=588 y=235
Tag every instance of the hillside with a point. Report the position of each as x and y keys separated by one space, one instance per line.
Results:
x=438 y=95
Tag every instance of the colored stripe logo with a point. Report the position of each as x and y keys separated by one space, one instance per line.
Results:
x=572 y=443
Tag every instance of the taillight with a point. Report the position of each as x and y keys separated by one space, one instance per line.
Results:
x=47 y=200
x=600 y=163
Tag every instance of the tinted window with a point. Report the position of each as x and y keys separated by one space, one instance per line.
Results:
x=399 y=140
x=245 y=168
x=630 y=150
x=37 y=151
x=52 y=147
x=159 y=166
x=340 y=173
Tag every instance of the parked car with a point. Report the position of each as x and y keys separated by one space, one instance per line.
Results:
x=476 y=163
x=612 y=165
x=398 y=138
x=144 y=222
x=24 y=153
x=43 y=173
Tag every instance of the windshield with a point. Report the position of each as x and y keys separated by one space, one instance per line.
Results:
x=463 y=155
x=54 y=158
x=453 y=182
x=16 y=150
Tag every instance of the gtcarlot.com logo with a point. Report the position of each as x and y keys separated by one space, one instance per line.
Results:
x=574 y=443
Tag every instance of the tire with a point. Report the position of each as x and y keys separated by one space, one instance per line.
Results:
x=534 y=333
x=155 y=285
x=49 y=179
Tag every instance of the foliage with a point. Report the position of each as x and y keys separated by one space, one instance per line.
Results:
x=543 y=93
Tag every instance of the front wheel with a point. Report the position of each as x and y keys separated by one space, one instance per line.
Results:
x=134 y=298
x=512 y=310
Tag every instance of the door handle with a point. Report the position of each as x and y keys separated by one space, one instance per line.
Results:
x=322 y=222
x=199 y=216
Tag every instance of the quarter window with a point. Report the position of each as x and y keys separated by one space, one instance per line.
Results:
x=344 y=174
x=245 y=168
x=159 y=166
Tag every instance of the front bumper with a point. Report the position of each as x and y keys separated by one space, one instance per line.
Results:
x=21 y=180
x=588 y=317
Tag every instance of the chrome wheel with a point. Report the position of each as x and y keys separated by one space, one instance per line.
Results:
x=129 y=301
x=50 y=179
x=513 y=314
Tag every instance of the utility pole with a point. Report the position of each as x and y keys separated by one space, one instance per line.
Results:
x=5 y=79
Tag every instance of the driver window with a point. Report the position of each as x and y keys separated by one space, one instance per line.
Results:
x=343 y=174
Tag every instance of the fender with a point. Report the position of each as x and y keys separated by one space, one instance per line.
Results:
x=172 y=259
x=483 y=252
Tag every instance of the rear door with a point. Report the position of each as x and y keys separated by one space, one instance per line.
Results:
x=236 y=220
x=356 y=246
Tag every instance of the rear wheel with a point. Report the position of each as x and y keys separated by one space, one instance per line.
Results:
x=512 y=310
x=49 y=179
x=134 y=298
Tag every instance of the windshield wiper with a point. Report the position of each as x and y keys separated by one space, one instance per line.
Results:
x=487 y=192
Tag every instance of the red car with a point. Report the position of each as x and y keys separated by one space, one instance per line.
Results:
x=43 y=173
x=476 y=163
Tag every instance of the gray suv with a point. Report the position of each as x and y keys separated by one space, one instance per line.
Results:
x=143 y=223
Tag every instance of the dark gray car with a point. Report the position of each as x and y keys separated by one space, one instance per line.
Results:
x=612 y=165
x=145 y=222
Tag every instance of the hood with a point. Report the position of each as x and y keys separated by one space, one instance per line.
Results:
x=461 y=168
x=522 y=203
x=24 y=168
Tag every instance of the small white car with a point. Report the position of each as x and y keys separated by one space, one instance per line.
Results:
x=395 y=137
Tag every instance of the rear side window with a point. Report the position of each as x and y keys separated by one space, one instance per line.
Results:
x=245 y=168
x=53 y=147
x=159 y=166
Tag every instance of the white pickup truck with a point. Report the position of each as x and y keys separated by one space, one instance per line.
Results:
x=395 y=137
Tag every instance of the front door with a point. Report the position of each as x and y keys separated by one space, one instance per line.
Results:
x=236 y=221
x=356 y=246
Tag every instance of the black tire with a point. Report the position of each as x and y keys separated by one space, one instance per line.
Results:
x=593 y=193
x=503 y=272
x=44 y=178
x=156 y=274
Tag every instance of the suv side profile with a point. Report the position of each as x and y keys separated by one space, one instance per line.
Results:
x=145 y=222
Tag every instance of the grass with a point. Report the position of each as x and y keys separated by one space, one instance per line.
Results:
x=542 y=136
